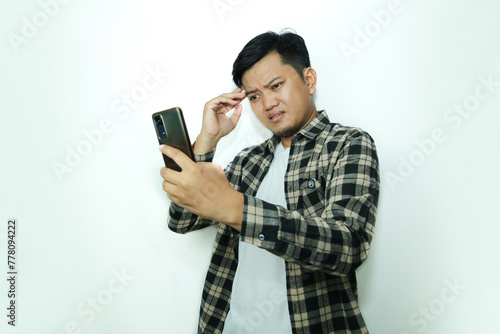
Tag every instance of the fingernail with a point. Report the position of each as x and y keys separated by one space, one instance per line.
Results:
x=161 y=146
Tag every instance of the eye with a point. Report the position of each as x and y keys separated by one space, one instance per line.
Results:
x=278 y=85
x=253 y=97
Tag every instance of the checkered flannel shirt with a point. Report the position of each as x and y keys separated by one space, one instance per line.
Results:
x=324 y=234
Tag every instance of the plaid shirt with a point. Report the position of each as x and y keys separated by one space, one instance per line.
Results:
x=331 y=187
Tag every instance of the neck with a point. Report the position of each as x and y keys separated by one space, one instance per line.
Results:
x=287 y=141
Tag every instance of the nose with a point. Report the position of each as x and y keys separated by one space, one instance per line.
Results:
x=270 y=101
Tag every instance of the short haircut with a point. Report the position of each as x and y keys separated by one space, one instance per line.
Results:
x=290 y=46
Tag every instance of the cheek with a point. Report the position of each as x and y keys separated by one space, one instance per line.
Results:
x=286 y=95
x=292 y=96
x=258 y=111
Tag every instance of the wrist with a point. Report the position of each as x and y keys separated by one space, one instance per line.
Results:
x=234 y=215
x=205 y=143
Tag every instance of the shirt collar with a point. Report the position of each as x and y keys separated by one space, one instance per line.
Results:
x=310 y=131
x=314 y=127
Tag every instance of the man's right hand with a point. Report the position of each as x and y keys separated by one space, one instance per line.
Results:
x=215 y=122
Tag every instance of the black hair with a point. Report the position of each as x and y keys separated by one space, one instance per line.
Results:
x=290 y=46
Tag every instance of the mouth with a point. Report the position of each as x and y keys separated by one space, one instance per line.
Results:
x=276 y=117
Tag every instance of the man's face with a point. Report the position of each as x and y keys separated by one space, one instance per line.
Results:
x=279 y=97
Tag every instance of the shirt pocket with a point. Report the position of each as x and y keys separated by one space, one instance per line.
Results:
x=312 y=195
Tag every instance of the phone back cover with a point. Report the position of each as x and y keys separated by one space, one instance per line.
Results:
x=177 y=135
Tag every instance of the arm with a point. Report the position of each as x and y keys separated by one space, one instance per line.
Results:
x=182 y=216
x=338 y=240
x=183 y=221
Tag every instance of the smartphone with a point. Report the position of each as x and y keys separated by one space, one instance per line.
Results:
x=171 y=130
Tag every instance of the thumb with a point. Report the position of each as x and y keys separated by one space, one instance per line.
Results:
x=236 y=114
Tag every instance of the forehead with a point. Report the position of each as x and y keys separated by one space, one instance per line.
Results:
x=264 y=70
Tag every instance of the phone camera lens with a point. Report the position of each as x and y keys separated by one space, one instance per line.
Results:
x=160 y=127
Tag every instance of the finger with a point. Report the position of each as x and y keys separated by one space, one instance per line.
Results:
x=224 y=108
x=169 y=175
x=238 y=94
x=239 y=90
x=169 y=189
x=221 y=104
x=181 y=159
x=231 y=99
x=236 y=114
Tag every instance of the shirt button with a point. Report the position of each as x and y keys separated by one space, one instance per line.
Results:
x=266 y=168
x=261 y=237
x=311 y=183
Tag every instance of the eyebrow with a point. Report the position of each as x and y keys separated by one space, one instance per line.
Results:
x=267 y=85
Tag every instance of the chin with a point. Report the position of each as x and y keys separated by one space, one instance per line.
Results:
x=286 y=133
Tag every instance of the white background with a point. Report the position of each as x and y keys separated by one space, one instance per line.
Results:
x=66 y=69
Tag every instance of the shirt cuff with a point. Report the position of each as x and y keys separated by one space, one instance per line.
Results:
x=261 y=223
x=206 y=157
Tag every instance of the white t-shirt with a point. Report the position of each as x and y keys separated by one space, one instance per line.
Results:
x=259 y=296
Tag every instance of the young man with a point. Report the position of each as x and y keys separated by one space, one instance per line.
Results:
x=295 y=214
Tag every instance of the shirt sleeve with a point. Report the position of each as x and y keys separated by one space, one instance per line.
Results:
x=181 y=220
x=338 y=239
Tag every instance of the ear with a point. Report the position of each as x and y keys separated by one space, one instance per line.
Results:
x=310 y=78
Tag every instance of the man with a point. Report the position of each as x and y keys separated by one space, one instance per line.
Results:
x=295 y=214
